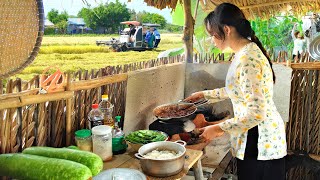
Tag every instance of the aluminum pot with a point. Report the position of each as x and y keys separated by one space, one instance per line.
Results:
x=165 y=167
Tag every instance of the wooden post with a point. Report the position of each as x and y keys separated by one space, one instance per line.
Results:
x=68 y=113
x=188 y=31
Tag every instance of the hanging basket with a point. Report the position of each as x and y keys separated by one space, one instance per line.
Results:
x=21 y=32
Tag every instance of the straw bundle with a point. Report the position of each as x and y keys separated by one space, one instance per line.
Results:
x=21 y=34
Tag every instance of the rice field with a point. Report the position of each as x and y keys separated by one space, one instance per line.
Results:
x=73 y=53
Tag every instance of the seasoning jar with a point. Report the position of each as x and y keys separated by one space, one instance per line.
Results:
x=102 y=141
x=83 y=139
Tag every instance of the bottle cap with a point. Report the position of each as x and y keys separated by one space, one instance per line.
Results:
x=105 y=96
x=83 y=133
x=95 y=106
x=101 y=130
x=118 y=118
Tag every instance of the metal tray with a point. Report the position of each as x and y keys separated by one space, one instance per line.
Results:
x=120 y=174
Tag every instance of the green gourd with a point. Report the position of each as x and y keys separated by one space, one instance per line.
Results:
x=32 y=167
x=91 y=160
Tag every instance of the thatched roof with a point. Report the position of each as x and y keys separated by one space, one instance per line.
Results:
x=266 y=8
x=161 y=4
x=251 y=8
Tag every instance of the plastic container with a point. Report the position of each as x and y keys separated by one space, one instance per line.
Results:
x=95 y=116
x=84 y=140
x=119 y=145
x=107 y=109
x=102 y=141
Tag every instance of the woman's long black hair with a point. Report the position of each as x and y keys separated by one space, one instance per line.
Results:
x=230 y=15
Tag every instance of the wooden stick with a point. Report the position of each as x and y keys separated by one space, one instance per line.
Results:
x=34 y=99
x=68 y=113
x=97 y=82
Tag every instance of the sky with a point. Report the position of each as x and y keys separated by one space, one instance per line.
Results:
x=74 y=6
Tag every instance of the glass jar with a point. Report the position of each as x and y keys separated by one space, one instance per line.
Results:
x=83 y=139
x=102 y=141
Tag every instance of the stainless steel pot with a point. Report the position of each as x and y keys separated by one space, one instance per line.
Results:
x=162 y=168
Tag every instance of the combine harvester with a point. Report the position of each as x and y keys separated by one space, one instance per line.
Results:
x=126 y=42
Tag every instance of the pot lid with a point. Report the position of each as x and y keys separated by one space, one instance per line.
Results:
x=314 y=48
x=20 y=34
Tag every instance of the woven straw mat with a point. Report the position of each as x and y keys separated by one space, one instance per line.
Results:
x=21 y=31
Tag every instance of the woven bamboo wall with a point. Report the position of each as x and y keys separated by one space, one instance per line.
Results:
x=303 y=129
x=44 y=124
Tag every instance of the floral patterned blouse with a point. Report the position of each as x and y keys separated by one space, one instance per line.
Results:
x=249 y=85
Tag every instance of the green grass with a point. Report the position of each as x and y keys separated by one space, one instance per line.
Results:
x=73 y=53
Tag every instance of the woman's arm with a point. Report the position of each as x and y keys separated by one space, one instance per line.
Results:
x=216 y=94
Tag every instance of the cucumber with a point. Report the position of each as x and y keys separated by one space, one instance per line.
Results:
x=91 y=160
x=32 y=167
x=73 y=147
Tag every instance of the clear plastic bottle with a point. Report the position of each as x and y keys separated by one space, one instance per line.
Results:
x=95 y=116
x=119 y=145
x=107 y=108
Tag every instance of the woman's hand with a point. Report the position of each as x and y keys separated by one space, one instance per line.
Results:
x=194 y=97
x=211 y=132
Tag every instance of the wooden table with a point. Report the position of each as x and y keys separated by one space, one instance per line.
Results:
x=128 y=160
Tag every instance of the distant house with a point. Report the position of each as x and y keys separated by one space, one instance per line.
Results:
x=48 y=23
x=76 y=26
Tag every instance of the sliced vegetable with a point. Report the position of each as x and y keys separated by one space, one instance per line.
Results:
x=145 y=136
x=91 y=160
x=32 y=167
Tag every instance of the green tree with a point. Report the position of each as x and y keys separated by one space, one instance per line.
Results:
x=173 y=28
x=62 y=26
x=107 y=16
x=275 y=32
x=55 y=17
x=133 y=15
x=146 y=17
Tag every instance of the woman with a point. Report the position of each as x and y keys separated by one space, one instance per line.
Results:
x=298 y=42
x=257 y=131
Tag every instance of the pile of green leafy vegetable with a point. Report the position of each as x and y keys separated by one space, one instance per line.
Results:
x=145 y=136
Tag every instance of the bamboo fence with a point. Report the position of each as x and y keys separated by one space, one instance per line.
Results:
x=32 y=119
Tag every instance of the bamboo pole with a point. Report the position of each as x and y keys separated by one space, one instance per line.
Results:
x=18 y=94
x=306 y=66
x=188 y=30
x=97 y=82
x=34 y=99
x=196 y=10
x=68 y=113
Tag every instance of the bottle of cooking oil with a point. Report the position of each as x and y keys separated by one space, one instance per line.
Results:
x=107 y=108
